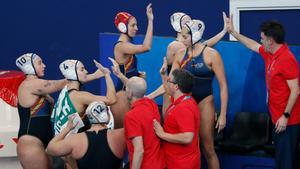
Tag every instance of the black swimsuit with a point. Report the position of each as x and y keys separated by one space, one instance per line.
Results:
x=203 y=76
x=35 y=121
x=99 y=154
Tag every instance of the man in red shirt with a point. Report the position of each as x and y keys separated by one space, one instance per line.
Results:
x=182 y=123
x=282 y=73
x=143 y=145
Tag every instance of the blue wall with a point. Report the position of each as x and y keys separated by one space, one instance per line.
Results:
x=61 y=29
x=250 y=22
x=244 y=72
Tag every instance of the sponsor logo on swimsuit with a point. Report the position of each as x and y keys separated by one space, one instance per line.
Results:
x=198 y=65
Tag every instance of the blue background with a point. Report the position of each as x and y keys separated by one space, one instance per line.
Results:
x=64 y=29
x=69 y=29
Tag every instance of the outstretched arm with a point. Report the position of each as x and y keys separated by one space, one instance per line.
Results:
x=214 y=40
x=110 y=87
x=148 y=38
x=249 y=43
x=44 y=87
x=156 y=93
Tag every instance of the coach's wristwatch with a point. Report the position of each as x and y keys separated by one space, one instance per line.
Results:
x=286 y=115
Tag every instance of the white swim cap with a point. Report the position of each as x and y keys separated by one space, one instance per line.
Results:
x=196 y=28
x=69 y=69
x=97 y=113
x=25 y=63
x=176 y=20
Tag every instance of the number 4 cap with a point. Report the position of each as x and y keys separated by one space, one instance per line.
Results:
x=69 y=69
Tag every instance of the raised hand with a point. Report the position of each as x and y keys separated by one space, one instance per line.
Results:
x=225 y=21
x=149 y=12
x=104 y=70
x=101 y=71
x=230 y=27
x=115 y=68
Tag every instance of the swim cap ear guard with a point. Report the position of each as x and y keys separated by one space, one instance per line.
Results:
x=196 y=28
x=176 y=20
x=121 y=21
x=25 y=63
x=97 y=113
x=69 y=69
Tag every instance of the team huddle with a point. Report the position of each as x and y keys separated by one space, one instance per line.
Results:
x=125 y=128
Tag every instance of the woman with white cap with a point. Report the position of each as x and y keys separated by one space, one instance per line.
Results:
x=71 y=99
x=178 y=20
x=204 y=63
x=125 y=50
x=97 y=147
x=34 y=107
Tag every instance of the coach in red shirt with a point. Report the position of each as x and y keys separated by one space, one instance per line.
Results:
x=282 y=73
x=143 y=145
x=182 y=123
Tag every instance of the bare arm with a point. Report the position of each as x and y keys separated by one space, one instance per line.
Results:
x=249 y=43
x=110 y=90
x=178 y=138
x=110 y=98
x=158 y=92
x=218 y=68
x=100 y=72
x=162 y=88
x=164 y=77
x=86 y=98
x=138 y=152
x=44 y=87
x=59 y=145
x=282 y=122
x=294 y=87
x=214 y=40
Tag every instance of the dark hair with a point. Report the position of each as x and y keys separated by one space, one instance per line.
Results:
x=274 y=30
x=184 y=79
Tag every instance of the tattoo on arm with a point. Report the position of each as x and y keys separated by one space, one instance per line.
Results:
x=47 y=84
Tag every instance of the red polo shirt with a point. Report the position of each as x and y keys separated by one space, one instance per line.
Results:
x=182 y=116
x=280 y=67
x=139 y=122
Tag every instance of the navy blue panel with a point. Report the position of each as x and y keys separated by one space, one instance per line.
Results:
x=61 y=29
x=250 y=22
